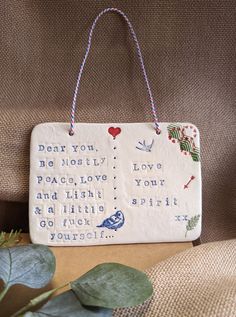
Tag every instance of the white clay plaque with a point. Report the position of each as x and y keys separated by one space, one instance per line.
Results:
x=114 y=183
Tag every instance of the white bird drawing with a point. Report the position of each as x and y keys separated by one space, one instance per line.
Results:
x=145 y=147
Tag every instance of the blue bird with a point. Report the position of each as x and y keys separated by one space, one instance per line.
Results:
x=114 y=222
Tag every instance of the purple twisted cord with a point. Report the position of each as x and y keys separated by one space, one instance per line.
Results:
x=153 y=107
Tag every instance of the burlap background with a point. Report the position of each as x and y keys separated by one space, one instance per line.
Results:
x=189 y=52
x=200 y=282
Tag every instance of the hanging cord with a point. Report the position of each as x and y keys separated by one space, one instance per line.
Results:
x=73 y=107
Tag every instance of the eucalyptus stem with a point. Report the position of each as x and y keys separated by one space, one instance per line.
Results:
x=3 y=292
x=37 y=300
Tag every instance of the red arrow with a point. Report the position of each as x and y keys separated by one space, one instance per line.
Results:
x=191 y=179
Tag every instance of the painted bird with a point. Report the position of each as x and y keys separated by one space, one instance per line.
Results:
x=114 y=222
x=144 y=146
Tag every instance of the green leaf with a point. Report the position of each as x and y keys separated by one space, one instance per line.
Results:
x=174 y=131
x=8 y=240
x=67 y=304
x=112 y=285
x=185 y=145
x=195 y=155
x=192 y=223
x=31 y=265
x=37 y=301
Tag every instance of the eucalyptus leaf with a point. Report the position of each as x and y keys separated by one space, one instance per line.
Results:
x=37 y=301
x=31 y=265
x=68 y=305
x=112 y=285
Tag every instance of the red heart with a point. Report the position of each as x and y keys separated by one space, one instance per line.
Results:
x=114 y=131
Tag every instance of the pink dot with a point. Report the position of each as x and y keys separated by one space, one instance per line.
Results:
x=173 y=141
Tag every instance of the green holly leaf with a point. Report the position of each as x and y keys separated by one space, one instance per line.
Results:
x=174 y=131
x=185 y=145
x=112 y=285
x=195 y=155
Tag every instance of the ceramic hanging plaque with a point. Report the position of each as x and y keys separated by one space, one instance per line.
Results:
x=114 y=183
